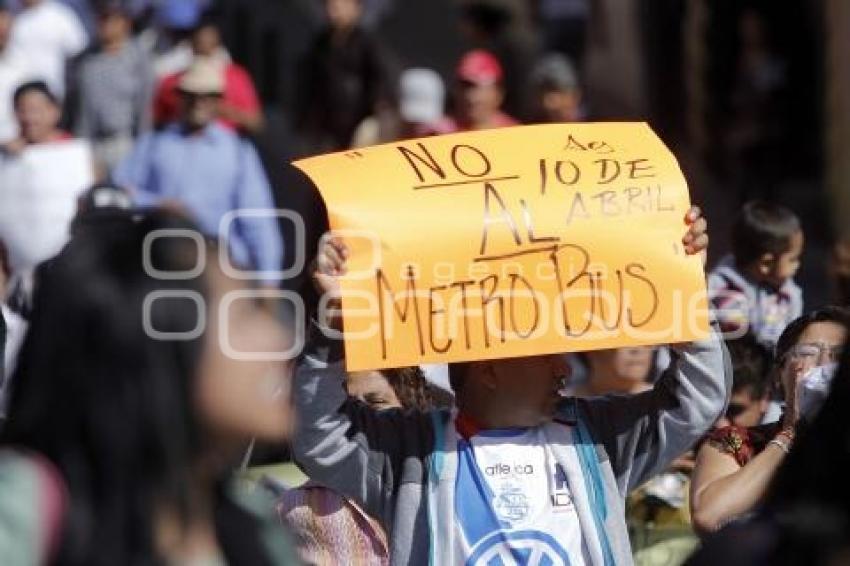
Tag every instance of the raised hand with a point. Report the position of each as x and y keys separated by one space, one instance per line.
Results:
x=696 y=238
x=330 y=264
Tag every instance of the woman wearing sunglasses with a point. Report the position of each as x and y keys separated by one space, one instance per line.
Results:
x=736 y=465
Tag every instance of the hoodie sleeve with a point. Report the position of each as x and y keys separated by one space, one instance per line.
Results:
x=342 y=443
x=642 y=434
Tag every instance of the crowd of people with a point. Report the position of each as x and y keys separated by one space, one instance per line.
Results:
x=126 y=425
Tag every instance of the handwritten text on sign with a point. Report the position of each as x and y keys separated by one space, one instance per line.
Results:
x=512 y=242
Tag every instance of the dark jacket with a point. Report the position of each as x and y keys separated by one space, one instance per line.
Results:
x=341 y=85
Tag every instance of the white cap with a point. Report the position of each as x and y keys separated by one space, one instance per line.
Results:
x=422 y=95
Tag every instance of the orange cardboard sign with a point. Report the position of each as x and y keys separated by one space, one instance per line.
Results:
x=512 y=242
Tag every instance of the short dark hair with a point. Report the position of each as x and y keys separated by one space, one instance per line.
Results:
x=761 y=228
x=791 y=335
x=34 y=86
x=750 y=365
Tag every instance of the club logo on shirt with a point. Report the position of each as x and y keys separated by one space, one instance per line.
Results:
x=527 y=548
x=511 y=504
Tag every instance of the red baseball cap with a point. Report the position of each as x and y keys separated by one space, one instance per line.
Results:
x=480 y=67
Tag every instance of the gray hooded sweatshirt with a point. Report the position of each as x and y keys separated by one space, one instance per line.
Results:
x=399 y=466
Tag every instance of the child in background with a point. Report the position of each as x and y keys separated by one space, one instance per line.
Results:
x=751 y=387
x=753 y=290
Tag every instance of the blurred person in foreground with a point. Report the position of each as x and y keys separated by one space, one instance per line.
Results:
x=96 y=205
x=49 y=34
x=736 y=465
x=329 y=528
x=343 y=78
x=556 y=95
x=120 y=442
x=210 y=171
x=753 y=289
x=805 y=518
x=14 y=71
x=240 y=107
x=421 y=102
x=445 y=484
x=111 y=90
x=477 y=98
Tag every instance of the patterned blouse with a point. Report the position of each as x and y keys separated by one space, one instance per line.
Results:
x=331 y=530
x=743 y=444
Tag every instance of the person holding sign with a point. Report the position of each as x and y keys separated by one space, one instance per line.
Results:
x=517 y=472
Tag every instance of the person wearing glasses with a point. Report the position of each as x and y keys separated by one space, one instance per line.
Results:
x=736 y=465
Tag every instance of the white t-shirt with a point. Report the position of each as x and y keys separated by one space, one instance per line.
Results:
x=48 y=35
x=38 y=199
x=513 y=502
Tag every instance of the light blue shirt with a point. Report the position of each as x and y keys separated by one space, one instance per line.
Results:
x=211 y=173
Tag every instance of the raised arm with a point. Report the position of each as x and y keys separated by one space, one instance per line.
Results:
x=644 y=433
x=340 y=442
